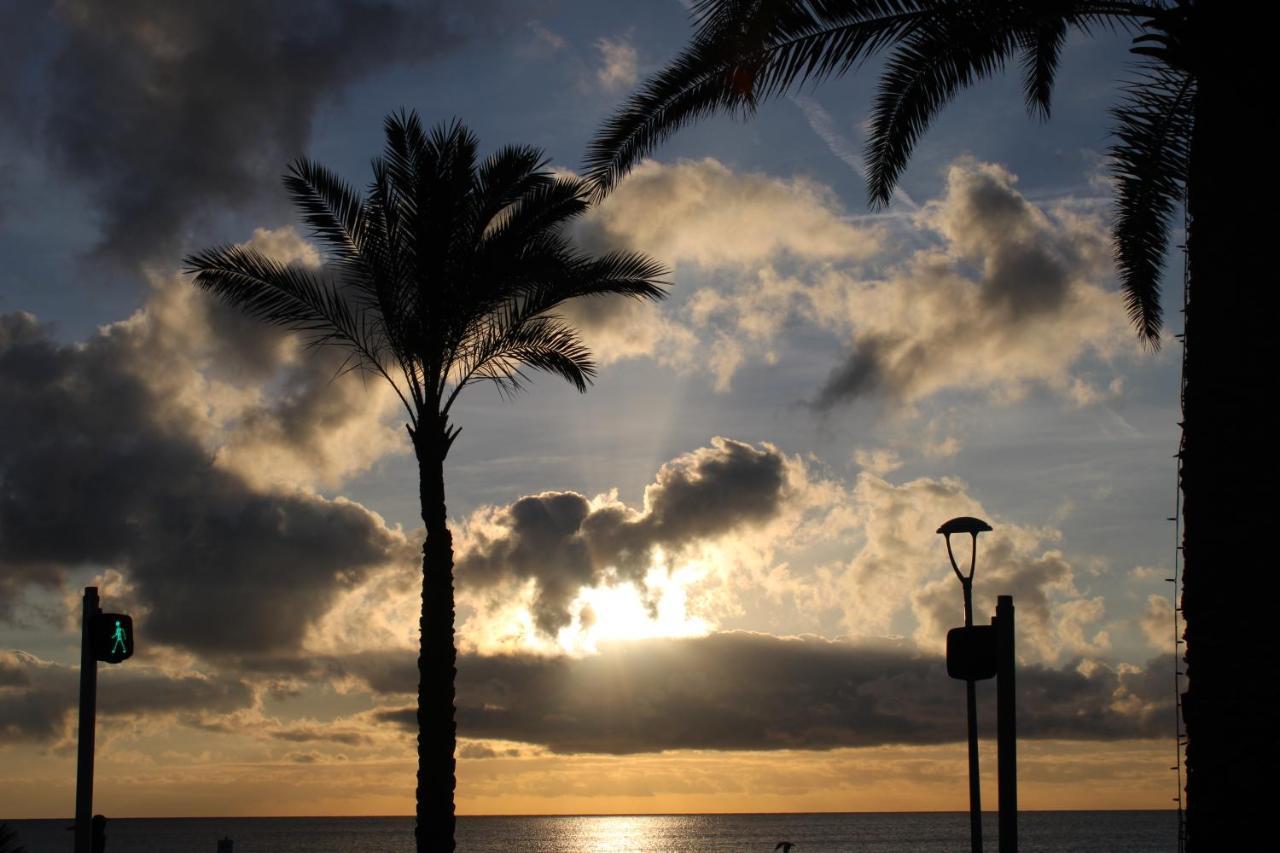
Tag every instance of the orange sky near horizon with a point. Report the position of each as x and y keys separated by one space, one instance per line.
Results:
x=1053 y=775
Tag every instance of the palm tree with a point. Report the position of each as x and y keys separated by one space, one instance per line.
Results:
x=448 y=273
x=1184 y=124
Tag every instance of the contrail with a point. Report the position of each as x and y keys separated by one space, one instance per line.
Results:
x=841 y=146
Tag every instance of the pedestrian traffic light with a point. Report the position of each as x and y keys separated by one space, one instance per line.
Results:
x=113 y=637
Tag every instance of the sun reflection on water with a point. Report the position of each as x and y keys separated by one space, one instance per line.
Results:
x=621 y=833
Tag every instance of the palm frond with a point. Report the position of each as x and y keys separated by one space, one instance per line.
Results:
x=1168 y=36
x=267 y=290
x=927 y=70
x=743 y=53
x=626 y=274
x=518 y=329
x=1150 y=159
x=746 y=51
x=350 y=229
x=544 y=208
x=1041 y=47
x=392 y=212
x=620 y=273
x=542 y=343
x=333 y=210
x=288 y=296
x=502 y=180
x=396 y=188
x=961 y=43
x=404 y=150
x=446 y=186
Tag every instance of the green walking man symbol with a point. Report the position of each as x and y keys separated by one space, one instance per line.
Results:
x=119 y=644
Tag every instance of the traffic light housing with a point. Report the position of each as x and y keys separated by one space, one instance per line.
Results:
x=113 y=637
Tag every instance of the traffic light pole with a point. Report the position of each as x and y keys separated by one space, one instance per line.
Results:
x=88 y=719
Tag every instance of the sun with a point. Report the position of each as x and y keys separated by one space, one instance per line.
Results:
x=626 y=612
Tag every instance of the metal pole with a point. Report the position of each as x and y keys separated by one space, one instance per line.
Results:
x=972 y=526
x=971 y=708
x=88 y=716
x=1006 y=725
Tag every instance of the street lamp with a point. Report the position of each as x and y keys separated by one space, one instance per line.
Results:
x=964 y=660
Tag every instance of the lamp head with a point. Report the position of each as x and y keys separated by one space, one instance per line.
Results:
x=964 y=524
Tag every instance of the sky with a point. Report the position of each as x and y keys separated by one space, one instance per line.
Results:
x=711 y=583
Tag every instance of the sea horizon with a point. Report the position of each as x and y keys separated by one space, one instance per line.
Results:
x=598 y=814
x=1055 y=831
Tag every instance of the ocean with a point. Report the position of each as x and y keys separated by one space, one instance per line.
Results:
x=932 y=832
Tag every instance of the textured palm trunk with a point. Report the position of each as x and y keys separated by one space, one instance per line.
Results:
x=437 y=657
x=1229 y=471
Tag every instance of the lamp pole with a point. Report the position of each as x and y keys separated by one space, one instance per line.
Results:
x=972 y=526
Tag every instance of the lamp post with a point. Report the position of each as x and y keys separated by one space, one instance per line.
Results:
x=970 y=642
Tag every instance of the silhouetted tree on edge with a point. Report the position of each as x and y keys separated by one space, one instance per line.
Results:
x=1187 y=127
x=446 y=274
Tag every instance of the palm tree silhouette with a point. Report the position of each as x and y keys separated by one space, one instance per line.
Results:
x=448 y=273
x=1184 y=125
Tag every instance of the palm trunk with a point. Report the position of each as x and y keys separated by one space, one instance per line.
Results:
x=1229 y=470
x=437 y=656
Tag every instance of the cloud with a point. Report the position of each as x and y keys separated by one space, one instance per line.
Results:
x=563 y=542
x=879 y=461
x=171 y=112
x=702 y=212
x=1157 y=622
x=618 y=64
x=38 y=698
x=978 y=290
x=735 y=529
x=799 y=551
x=128 y=451
x=901 y=570
x=311 y=732
x=545 y=40
x=701 y=216
x=1011 y=299
x=745 y=691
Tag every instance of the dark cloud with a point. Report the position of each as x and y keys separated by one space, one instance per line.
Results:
x=38 y=704
x=479 y=750
x=169 y=110
x=103 y=464
x=318 y=732
x=759 y=692
x=1024 y=272
x=859 y=375
x=558 y=540
x=404 y=718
